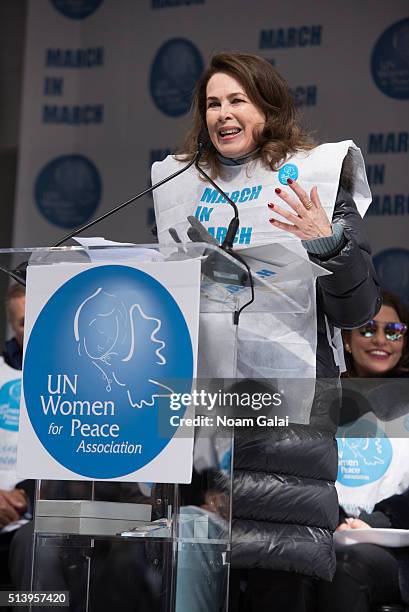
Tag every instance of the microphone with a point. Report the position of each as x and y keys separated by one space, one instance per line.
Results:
x=174 y=235
x=220 y=269
x=200 y=231
x=193 y=235
x=20 y=273
x=203 y=141
x=215 y=266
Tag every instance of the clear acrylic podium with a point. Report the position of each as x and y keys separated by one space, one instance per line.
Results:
x=152 y=546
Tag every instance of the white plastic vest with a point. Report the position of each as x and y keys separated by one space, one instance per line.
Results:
x=252 y=187
x=278 y=344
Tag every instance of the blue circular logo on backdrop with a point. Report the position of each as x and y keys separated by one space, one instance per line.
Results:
x=76 y=9
x=10 y=405
x=117 y=347
x=286 y=172
x=364 y=453
x=390 y=61
x=176 y=68
x=392 y=268
x=68 y=190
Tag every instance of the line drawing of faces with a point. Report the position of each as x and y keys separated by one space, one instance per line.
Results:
x=180 y=67
x=360 y=448
x=74 y=180
x=116 y=338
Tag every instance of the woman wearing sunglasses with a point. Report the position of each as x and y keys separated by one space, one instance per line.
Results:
x=373 y=494
x=380 y=347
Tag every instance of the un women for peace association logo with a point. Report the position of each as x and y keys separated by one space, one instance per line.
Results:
x=10 y=405
x=76 y=9
x=105 y=354
x=175 y=70
x=390 y=61
x=68 y=190
x=286 y=172
x=364 y=453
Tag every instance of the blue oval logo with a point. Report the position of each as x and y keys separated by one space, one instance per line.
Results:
x=76 y=9
x=364 y=454
x=68 y=190
x=94 y=397
x=177 y=66
x=286 y=172
x=390 y=61
x=10 y=405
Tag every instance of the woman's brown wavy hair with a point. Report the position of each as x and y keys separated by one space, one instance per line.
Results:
x=266 y=88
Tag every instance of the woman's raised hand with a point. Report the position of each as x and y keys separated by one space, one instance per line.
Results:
x=309 y=220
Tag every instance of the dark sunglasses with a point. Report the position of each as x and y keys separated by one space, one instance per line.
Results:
x=393 y=331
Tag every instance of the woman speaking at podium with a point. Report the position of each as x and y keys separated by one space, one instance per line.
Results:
x=286 y=188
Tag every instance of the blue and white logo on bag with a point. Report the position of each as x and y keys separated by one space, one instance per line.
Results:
x=68 y=190
x=117 y=346
x=286 y=172
x=10 y=405
x=175 y=70
x=364 y=454
x=390 y=61
x=76 y=9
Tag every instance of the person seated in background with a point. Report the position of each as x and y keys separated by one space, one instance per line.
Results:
x=380 y=348
x=372 y=465
x=395 y=509
x=15 y=308
x=15 y=497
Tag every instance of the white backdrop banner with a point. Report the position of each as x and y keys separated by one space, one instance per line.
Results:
x=106 y=346
x=107 y=89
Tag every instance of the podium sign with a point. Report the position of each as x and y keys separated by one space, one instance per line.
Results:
x=106 y=345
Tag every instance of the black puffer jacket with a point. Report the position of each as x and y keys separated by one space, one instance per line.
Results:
x=285 y=505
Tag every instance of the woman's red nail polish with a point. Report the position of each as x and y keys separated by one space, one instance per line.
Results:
x=290 y=181
x=270 y=205
x=277 y=190
x=272 y=220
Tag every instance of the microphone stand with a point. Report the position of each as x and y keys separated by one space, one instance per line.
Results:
x=124 y=204
x=227 y=244
x=19 y=274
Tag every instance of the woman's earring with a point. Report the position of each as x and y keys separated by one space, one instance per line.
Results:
x=348 y=348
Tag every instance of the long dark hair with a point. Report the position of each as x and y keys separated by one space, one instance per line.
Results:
x=266 y=88
x=402 y=367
